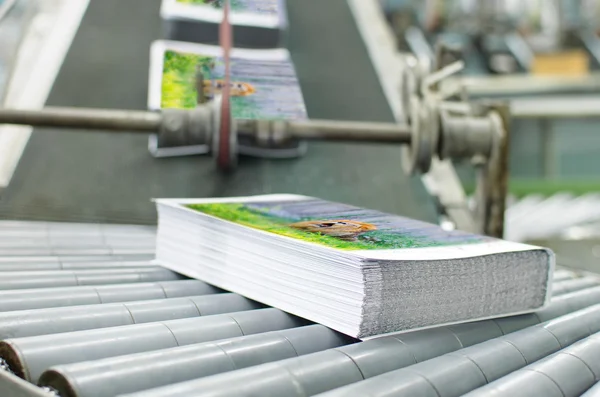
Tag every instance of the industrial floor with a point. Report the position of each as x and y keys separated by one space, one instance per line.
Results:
x=98 y=177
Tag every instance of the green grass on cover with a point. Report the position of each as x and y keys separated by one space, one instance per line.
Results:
x=242 y=215
x=179 y=84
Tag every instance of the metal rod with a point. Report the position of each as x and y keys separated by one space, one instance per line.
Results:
x=329 y=130
x=82 y=118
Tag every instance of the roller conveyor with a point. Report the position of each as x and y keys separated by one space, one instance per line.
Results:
x=172 y=336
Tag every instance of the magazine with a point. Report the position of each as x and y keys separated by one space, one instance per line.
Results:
x=255 y=23
x=263 y=86
x=359 y=271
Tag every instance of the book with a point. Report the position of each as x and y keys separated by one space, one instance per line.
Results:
x=358 y=271
x=264 y=86
x=254 y=23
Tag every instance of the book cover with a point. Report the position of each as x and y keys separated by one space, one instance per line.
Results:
x=255 y=23
x=264 y=83
x=359 y=271
x=367 y=233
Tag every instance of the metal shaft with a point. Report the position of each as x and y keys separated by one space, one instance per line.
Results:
x=81 y=118
x=326 y=130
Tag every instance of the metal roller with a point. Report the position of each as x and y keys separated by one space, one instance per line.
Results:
x=88 y=242
x=40 y=298
x=29 y=357
x=68 y=278
x=15 y=267
x=79 y=251
x=61 y=260
x=185 y=363
x=567 y=373
x=480 y=364
x=136 y=372
x=23 y=323
x=323 y=371
x=594 y=391
x=575 y=284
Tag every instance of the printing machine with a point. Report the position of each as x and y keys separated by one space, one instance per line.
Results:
x=83 y=311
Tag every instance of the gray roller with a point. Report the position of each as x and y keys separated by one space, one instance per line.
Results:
x=68 y=278
x=566 y=286
x=16 y=267
x=78 y=241
x=323 y=371
x=593 y=391
x=482 y=363
x=568 y=373
x=136 y=372
x=29 y=357
x=76 y=250
x=53 y=260
x=563 y=274
x=39 y=298
x=22 y=323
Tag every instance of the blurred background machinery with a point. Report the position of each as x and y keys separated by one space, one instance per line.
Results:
x=144 y=321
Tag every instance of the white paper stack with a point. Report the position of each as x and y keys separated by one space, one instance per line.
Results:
x=255 y=23
x=358 y=271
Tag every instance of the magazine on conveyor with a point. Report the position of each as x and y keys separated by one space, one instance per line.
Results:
x=264 y=85
x=255 y=23
x=361 y=272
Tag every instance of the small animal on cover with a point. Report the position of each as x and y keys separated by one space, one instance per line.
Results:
x=343 y=229
x=212 y=87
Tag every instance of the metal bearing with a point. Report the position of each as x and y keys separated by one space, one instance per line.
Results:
x=417 y=156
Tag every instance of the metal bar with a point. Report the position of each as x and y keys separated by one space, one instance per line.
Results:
x=23 y=323
x=82 y=118
x=29 y=357
x=349 y=131
x=68 y=278
x=479 y=364
x=44 y=260
x=40 y=298
x=142 y=371
x=323 y=371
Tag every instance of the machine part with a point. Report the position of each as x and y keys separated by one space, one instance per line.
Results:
x=19 y=324
x=132 y=373
x=225 y=144
x=477 y=365
x=330 y=369
x=68 y=278
x=492 y=182
x=417 y=156
x=29 y=357
x=466 y=137
x=40 y=298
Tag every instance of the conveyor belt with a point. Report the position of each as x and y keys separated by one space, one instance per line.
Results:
x=102 y=177
x=116 y=324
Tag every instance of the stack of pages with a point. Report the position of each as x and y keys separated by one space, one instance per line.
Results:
x=264 y=86
x=358 y=271
x=255 y=23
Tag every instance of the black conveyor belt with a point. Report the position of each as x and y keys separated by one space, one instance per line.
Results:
x=107 y=178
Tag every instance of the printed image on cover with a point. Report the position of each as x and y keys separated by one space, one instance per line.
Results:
x=259 y=89
x=337 y=225
x=269 y=7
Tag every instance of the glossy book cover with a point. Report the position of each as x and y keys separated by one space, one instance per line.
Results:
x=264 y=82
x=260 y=13
x=368 y=233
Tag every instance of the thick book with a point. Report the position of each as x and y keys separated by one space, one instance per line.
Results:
x=358 y=271
x=255 y=23
x=264 y=86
